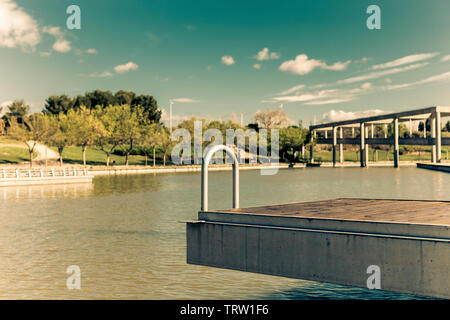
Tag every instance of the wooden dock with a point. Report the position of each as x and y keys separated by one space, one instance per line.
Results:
x=334 y=241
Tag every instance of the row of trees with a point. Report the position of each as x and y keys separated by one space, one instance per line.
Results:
x=105 y=128
x=125 y=127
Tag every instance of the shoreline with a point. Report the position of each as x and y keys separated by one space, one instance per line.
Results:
x=121 y=170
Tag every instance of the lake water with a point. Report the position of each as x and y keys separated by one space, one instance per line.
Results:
x=126 y=232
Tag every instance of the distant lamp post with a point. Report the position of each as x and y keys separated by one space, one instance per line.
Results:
x=170 y=115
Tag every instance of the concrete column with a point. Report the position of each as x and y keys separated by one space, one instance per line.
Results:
x=311 y=147
x=334 y=135
x=341 y=146
x=433 y=135
x=362 y=145
x=396 y=146
x=385 y=131
x=326 y=134
x=371 y=131
x=438 y=136
x=425 y=128
x=366 y=157
x=410 y=128
x=353 y=132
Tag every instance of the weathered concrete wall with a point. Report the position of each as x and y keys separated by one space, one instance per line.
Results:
x=408 y=264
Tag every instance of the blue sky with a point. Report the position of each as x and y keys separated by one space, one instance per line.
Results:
x=310 y=57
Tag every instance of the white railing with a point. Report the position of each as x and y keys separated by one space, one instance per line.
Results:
x=205 y=164
x=8 y=174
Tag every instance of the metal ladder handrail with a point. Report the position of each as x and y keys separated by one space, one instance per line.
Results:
x=205 y=164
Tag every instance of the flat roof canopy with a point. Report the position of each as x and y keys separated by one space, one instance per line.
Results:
x=414 y=115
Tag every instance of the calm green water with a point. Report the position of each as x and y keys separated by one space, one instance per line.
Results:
x=125 y=234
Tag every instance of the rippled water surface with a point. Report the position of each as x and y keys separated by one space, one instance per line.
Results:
x=127 y=236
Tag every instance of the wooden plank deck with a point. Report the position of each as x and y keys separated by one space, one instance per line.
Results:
x=379 y=210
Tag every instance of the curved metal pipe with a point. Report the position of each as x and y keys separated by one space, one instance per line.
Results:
x=205 y=164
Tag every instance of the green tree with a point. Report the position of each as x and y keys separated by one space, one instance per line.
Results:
x=165 y=143
x=149 y=107
x=128 y=129
x=56 y=104
x=101 y=98
x=35 y=130
x=150 y=139
x=107 y=138
x=84 y=128
x=124 y=97
x=59 y=134
x=291 y=141
x=18 y=110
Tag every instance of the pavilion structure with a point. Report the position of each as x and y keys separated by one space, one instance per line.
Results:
x=374 y=131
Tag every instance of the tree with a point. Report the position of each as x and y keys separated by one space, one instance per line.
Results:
x=2 y=126
x=270 y=119
x=35 y=130
x=149 y=107
x=17 y=110
x=165 y=143
x=150 y=139
x=107 y=138
x=84 y=127
x=447 y=126
x=427 y=123
x=128 y=128
x=56 y=104
x=291 y=140
x=59 y=133
x=101 y=98
x=124 y=97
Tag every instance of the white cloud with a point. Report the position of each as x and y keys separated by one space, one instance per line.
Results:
x=330 y=101
x=293 y=89
x=307 y=96
x=366 y=85
x=54 y=31
x=45 y=54
x=436 y=78
x=340 y=115
x=91 y=51
x=264 y=54
x=257 y=66
x=405 y=60
x=303 y=65
x=227 y=60
x=105 y=74
x=122 y=68
x=185 y=100
x=378 y=74
x=446 y=58
x=62 y=46
x=388 y=80
x=17 y=28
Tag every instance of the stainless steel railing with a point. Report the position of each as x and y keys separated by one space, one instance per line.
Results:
x=205 y=164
